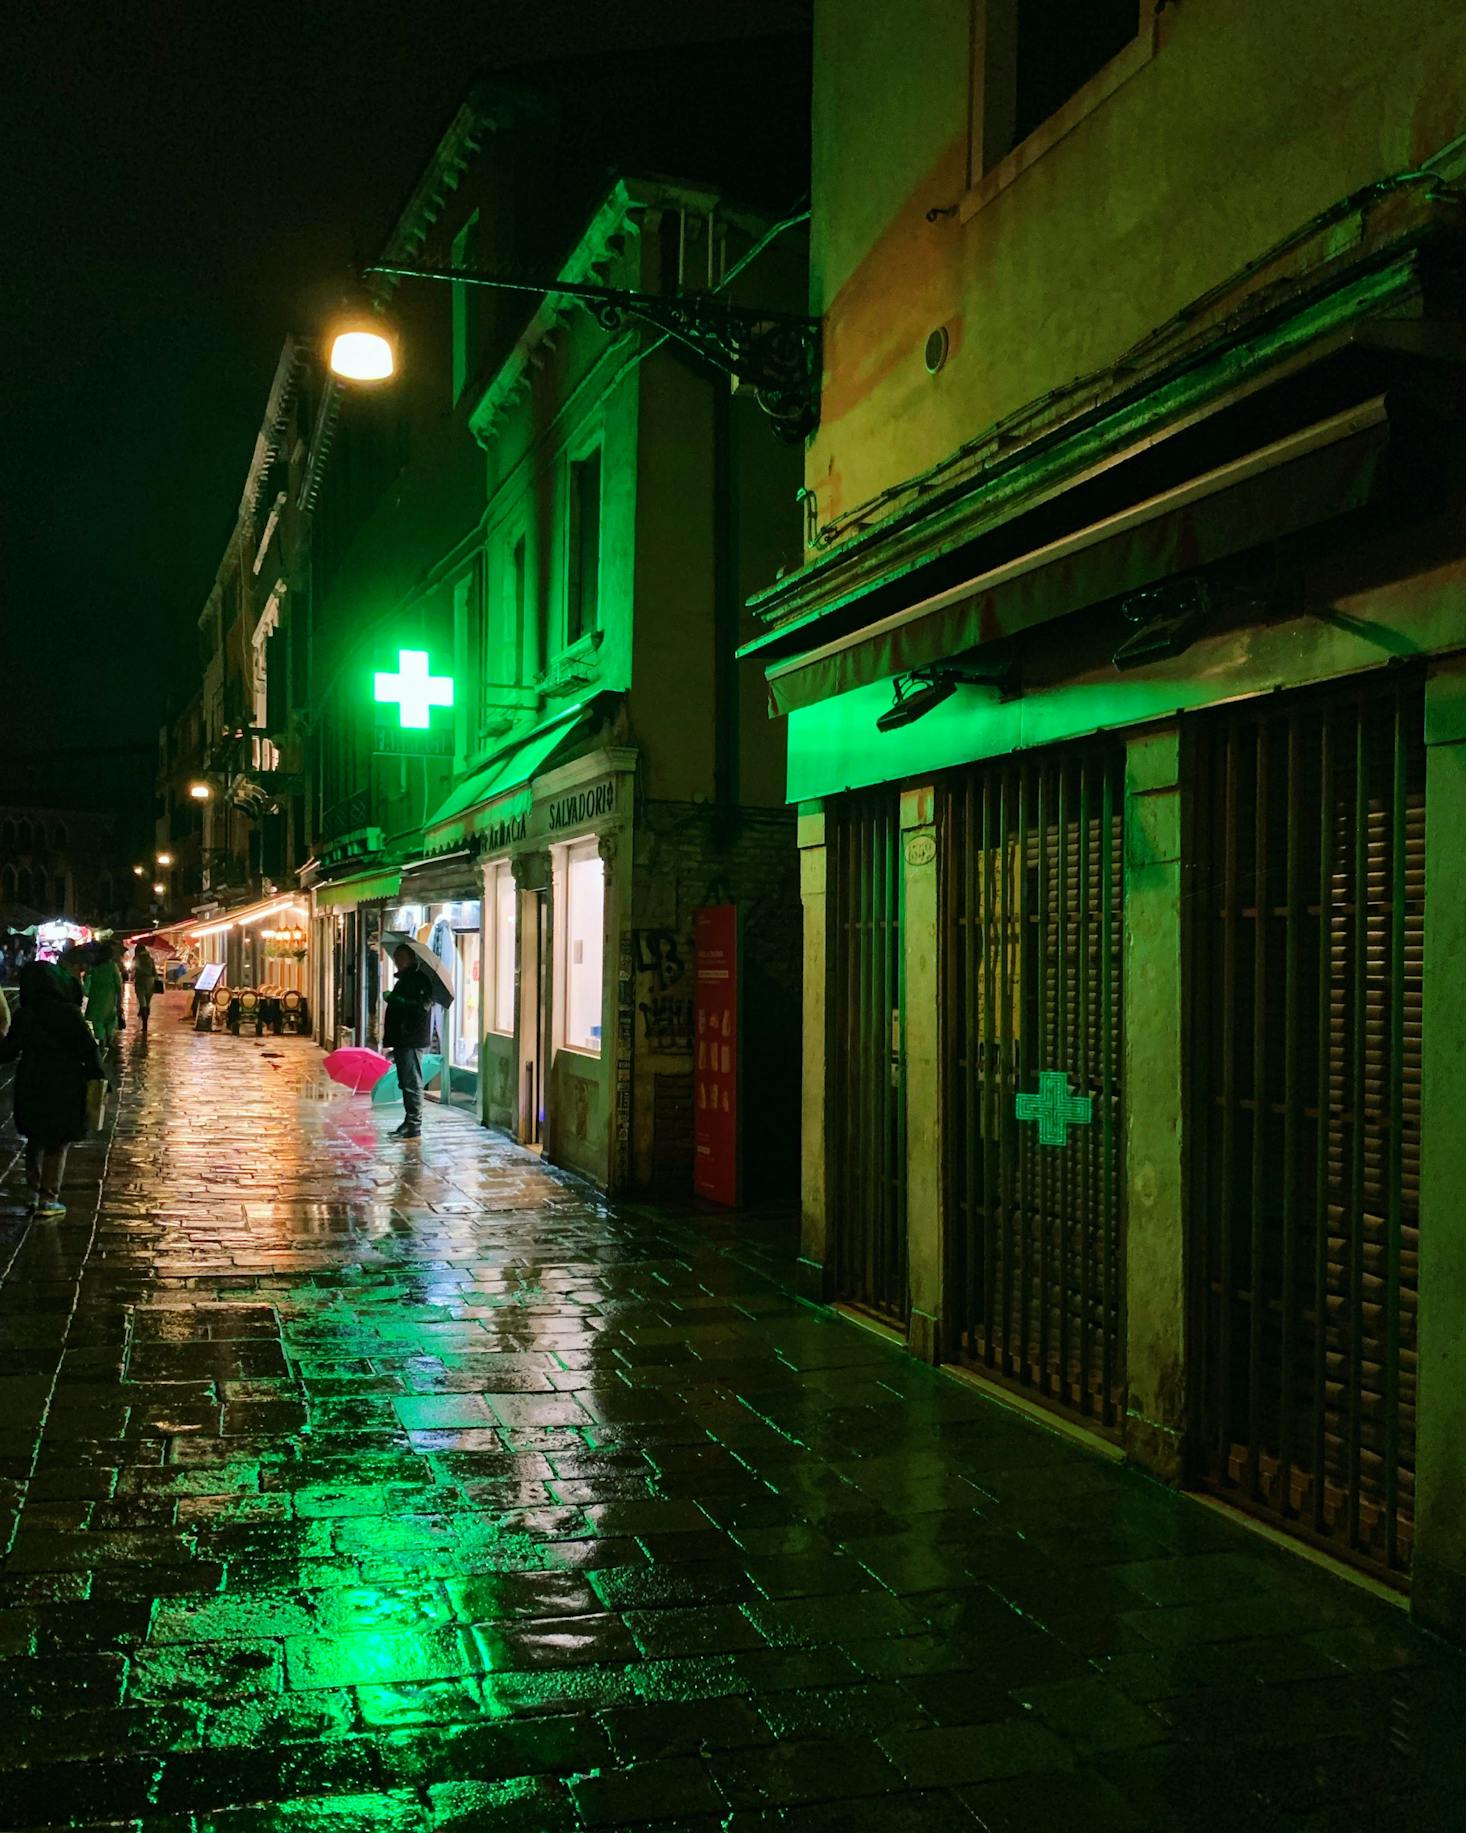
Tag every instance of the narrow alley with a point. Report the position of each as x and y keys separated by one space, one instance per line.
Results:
x=367 y=1484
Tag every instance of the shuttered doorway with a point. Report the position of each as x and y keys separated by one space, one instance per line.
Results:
x=866 y=1103
x=1307 y=911
x=1031 y=947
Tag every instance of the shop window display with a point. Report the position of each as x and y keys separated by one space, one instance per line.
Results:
x=504 y=904
x=585 y=896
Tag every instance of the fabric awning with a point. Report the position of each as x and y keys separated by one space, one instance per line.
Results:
x=242 y=915
x=479 y=800
x=363 y=888
x=1319 y=472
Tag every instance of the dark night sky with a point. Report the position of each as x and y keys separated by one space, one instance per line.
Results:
x=186 y=182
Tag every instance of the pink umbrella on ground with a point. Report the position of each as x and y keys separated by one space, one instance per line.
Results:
x=357 y=1069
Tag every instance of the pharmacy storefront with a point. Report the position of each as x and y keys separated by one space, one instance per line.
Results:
x=553 y=1007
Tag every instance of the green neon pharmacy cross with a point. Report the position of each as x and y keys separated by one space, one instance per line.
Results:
x=414 y=689
x=1054 y=1108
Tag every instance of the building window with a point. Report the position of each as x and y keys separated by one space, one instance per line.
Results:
x=23 y=836
x=530 y=631
x=583 y=561
x=58 y=896
x=466 y=624
x=467 y=310
x=23 y=891
x=59 y=836
x=503 y=907
x=585 y=909
x=1030 y=57
x=7 y=883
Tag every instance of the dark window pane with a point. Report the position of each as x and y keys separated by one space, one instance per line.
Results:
x=1060 y=47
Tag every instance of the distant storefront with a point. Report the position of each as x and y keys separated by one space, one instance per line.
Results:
x=588 y=897
x=440 y=906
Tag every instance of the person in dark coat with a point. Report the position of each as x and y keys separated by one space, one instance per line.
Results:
x=58 y=1058
x=406 y=1033
x=144 y=982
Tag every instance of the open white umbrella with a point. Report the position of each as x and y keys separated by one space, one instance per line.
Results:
x=438 y=971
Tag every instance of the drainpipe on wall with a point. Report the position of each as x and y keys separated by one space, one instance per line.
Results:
x=726 y=787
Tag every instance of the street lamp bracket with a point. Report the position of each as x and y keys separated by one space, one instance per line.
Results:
x=776 y=354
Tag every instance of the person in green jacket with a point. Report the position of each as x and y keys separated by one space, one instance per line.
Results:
x=104 y=996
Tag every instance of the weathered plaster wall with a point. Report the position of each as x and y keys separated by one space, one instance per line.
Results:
x=1252 y=116
x=686 y=856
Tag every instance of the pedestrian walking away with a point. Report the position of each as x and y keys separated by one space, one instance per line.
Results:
x=144 y=983
x=406 y=1032
x=104 y=996
x=59 y=1079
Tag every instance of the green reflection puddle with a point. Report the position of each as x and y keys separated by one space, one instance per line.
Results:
x=397 y=1812
x=371 y=1658
x=400 y=1704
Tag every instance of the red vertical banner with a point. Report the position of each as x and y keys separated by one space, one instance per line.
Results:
x=716 y=1165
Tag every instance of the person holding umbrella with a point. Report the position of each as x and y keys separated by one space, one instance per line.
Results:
x=406 y=1032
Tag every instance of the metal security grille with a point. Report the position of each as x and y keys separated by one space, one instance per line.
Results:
x=867 y=1091
x=1031 y=901
x=1304 y=1005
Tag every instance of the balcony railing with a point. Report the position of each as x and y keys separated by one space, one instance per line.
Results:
x=345 y=816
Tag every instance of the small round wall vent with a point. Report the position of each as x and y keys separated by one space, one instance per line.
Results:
x=935 y=354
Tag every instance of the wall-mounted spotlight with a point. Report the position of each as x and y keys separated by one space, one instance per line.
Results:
x=1167 y=620
x=923 y=689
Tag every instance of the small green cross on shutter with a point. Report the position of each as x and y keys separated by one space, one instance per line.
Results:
x=1054 y=1108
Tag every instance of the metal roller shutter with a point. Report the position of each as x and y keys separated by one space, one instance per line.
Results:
x=1307 y=913
x=1031 y=897
x=866 y=1101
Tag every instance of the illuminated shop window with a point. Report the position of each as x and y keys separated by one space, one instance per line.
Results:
x=585 y=904
x=467 y=961
x=504 y=904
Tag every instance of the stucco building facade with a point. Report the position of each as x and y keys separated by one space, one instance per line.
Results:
x=1123 y=684
x=557 y=521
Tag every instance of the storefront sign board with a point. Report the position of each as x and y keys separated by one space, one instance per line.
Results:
x=716 y=1157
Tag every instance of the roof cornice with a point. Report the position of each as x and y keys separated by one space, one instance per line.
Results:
x=621 y=215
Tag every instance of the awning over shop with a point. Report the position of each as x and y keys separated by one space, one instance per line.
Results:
x=1323 y=470
x=361 y=888
x=243 y=915
x=479 y=801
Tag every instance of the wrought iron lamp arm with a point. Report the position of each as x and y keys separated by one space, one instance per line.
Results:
x=777 y=354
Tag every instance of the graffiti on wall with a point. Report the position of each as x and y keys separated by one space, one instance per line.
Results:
x=663 y=990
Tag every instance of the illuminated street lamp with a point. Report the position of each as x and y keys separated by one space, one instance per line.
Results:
x=164 y=859
x=362 y=349
x=139 y=871
x=158 y=890
x=200 y=793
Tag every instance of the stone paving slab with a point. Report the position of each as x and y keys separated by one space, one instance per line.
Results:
x=358 y=1484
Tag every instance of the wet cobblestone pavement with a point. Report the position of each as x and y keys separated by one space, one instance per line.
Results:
x=363 y=1484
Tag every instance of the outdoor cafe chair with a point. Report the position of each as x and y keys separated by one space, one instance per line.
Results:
x=247 y=1009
